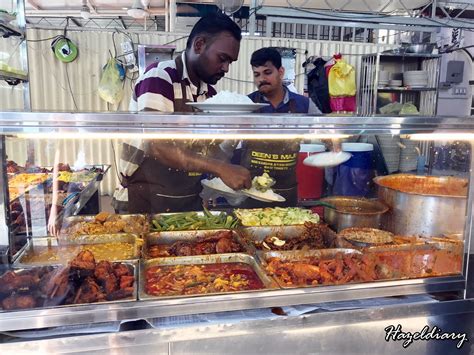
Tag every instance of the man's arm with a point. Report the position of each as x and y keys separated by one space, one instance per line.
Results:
x=174 y=156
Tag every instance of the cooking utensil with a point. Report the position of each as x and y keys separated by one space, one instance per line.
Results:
x=345 y=212
x=423 y=205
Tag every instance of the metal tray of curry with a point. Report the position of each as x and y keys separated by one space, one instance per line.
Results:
x=104 y=223
x=298 y=237
x=47 y=250
x=323 y=267
x=201 y=275
x=432 y=257
x=190 y=243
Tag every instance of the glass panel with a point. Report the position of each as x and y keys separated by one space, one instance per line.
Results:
x=341 y=209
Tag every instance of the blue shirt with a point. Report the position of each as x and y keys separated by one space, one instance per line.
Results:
x=292 y=102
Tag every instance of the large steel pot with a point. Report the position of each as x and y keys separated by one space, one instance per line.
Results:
x=429 y=206
x=353 y=212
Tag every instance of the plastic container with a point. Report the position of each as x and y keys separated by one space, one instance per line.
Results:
x=354 y=177
x=310 y=179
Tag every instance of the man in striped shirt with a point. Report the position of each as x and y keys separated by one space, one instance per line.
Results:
x=159 y=175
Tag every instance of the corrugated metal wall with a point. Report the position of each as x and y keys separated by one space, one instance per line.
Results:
x=51 y=84
x=51 y=90
x=11 y=97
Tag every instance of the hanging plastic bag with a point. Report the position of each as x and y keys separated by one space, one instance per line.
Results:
x=342 y=80
x=110 y=85
x=343 y=103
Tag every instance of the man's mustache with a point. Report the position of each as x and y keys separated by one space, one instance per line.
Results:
x=262 y=84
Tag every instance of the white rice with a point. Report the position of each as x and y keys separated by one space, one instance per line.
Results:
x=227 y=97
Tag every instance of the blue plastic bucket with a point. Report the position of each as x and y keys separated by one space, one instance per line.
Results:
x=354 y=177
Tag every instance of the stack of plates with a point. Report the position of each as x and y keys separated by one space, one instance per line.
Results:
x=408 y=155
x=383 y=78
x=416 y=78
x=395 y=83
x=390 y=146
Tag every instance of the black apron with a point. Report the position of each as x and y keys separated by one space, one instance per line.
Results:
x=155 y=187
x=278 y=159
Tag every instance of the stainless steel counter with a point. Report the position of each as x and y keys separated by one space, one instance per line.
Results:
x=359 y=331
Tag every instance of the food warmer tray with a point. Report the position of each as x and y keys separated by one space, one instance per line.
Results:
x=76 y=203
x=69 y=221
x=267 y=281
x=88 y=240
x=134 y=296
x=298 y=255
x=250 y=235
x=28 y=188
x=436 y=257
x=199 y=213
x=170 y=237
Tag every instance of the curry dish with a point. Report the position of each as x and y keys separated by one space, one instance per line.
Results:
x=314 y=236
x=425 y=185
x=200 y=279
x=82 y=281
x=62 y=254
x=106 y=223
x=312 y=271
x=217 y=243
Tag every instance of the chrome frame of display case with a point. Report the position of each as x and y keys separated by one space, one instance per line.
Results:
x=91 y=125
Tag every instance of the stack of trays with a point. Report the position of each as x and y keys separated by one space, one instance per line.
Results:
x=408 y=155
x=416 y=78
x=390 y=146
x=384 y=78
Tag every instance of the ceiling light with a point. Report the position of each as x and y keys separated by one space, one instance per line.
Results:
x=137 y=10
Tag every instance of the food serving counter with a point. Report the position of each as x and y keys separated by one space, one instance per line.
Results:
x=232 y=258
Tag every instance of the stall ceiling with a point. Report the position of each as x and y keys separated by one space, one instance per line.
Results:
x=37 y=7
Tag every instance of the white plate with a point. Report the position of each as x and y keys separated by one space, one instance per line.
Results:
x=267 y=196
x=218 y=185
x=327 y=159
x=226 y=107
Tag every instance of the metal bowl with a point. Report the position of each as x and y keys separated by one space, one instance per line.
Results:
x=353 y=212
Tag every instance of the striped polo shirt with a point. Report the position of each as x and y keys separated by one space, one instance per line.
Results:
x=160 y=85
x=155 y=90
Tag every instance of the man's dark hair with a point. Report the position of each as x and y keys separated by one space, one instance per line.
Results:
x=263 y=55
x=213 y=24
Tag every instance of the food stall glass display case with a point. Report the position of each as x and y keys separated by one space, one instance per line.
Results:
x=364 y=234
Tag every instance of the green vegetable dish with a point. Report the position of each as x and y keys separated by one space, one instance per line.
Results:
x=275 y=216
x=193 y=221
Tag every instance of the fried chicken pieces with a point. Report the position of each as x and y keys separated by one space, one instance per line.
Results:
x=106 y=223
x=82 y=281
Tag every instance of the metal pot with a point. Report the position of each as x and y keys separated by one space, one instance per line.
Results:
x=428 y=206
x=353 y=212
